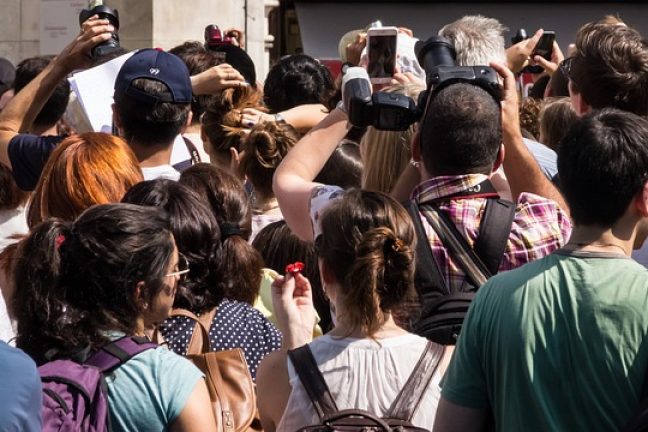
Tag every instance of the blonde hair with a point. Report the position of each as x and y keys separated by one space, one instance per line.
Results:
x=385 y=154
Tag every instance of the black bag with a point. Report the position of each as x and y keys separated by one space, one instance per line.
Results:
x=398 y=417
x=443 y=308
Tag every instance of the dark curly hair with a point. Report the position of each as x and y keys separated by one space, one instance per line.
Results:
x=77 y=279
x=197 y=236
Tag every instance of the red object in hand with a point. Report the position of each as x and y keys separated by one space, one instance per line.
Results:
x=296 y=267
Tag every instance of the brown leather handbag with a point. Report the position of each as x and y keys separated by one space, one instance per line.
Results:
x=228 y=378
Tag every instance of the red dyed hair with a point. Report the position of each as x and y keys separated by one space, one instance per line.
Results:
x=84 y=170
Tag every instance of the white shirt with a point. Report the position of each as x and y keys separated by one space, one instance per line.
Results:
x=161 y=171
x=362 y=374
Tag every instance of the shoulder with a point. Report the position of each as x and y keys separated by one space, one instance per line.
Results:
x=17 y=366
x=28 y=154
x=241 y=314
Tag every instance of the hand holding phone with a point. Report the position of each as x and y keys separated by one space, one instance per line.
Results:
x=543 y=48
x=381 y=54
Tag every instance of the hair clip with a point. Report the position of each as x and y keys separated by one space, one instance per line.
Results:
x=295 y=268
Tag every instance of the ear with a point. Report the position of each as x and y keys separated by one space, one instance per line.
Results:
x=138 y=298
x=235 y=161
x=641 y=202
x=500 y=158
x=577 y=100
x=116 y=118
x=189 y=119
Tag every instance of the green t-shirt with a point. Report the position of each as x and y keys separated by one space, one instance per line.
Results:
x=557 y=344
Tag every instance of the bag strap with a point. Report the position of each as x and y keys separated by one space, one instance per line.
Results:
x=411 y=395
x=199 y=343
x=119 y=352
x=313 y=381
x=194 y=156
x=428 y=273
x=494 y=232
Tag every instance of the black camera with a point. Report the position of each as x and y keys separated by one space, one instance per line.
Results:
x=104 y=12
x=387 y=111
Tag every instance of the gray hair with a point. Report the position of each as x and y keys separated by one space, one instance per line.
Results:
x=477 y=39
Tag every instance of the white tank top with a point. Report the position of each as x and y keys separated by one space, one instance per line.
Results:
x=362 y=374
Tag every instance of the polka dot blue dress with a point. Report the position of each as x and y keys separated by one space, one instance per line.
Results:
x=235 y=325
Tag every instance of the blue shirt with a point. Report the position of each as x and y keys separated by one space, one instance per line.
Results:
x=28 y=155
x=21 y=395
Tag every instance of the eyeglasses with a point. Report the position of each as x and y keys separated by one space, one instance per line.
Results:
x=183 y=269
x=565 y=67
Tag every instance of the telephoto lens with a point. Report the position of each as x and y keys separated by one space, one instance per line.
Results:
x=104 y=12
x=434 y=52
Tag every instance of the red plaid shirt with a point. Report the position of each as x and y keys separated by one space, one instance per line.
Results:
x=539 y=226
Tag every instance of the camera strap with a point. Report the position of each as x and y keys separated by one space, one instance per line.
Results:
x=484 y=189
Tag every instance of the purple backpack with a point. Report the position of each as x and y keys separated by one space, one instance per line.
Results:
x=74 y=394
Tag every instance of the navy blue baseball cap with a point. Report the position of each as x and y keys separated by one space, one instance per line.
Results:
x=159 y=66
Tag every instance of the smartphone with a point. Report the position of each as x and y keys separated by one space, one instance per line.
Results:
x=381 y=54
x=543 y=48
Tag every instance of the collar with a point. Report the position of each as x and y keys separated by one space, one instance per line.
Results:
x=442 y=186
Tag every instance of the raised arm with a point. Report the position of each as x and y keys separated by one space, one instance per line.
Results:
x=293 y=180
x=521 y=169
x=20 y=112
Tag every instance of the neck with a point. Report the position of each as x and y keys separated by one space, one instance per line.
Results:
x=599 y=239
x=388 y=329
x=42 y=130
x=194 y=128
x=265 y=203
x=152 y=156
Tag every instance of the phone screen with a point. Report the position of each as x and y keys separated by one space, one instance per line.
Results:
x=382 y=56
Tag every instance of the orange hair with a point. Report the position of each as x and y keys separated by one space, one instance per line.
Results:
x=83 y=170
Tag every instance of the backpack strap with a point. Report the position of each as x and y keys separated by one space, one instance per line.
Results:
x=428 y=273
x=411 y=395
x=313 y=381
x=119 y=352
x=494 y=232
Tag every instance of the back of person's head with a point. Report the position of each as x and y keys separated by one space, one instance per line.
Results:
x=610 y=68
x=198 y=60
x=230 y=204
x=461 y=132
x=152 y=98
x=197 y=236
x=343 y=168
x=83 y=170
x=263 y=150
x=297 y=80
x=603 y=165
x=80 y=280
x=387 y=153
x=221 y=123
x=530 y=116
x=55 y=106
x=368 y=243
x=478 y=40
x=11 y=196
x=279 y=247
x=556 y=117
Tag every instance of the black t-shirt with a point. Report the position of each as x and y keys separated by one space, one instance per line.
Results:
x=28 y=155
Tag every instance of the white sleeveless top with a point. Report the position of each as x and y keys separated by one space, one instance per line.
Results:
x=362 y=374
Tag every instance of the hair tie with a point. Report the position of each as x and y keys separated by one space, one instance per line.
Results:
x=228 y=230
x=58 y=241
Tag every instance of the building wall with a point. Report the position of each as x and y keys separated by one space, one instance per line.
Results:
x=144 y=23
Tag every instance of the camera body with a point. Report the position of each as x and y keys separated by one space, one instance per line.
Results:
x=395 y=112
x=214 y=37
x=112 y=15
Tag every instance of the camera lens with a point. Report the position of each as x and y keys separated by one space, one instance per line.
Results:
x=434 y=52
x=104 y=12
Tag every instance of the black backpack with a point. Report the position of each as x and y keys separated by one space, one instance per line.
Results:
x=443 y=309
x=400 y=413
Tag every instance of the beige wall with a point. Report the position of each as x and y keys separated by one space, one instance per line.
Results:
x=146 y=23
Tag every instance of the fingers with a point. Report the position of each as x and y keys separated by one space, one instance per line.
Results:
x=508 y=78
x=407 y=31
x=533 y=41
x=547 y=65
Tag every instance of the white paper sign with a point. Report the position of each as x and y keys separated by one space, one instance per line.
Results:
x=94 y=90
x=59 y=24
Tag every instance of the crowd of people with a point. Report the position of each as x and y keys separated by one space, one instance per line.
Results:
x=238 y=256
